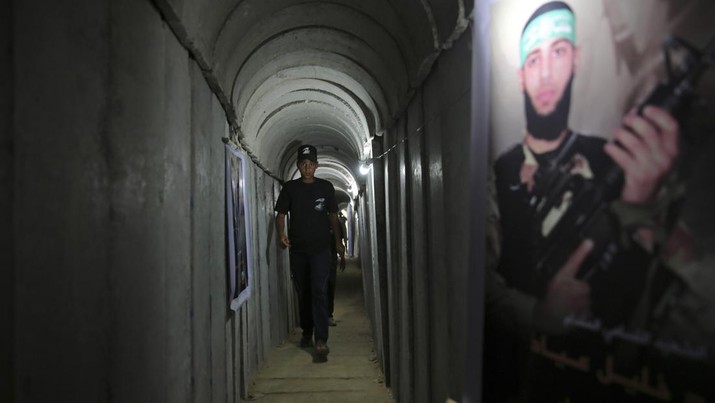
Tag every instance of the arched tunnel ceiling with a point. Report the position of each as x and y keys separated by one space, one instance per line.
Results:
x=331 y=73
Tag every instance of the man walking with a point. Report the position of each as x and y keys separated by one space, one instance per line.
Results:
x=312 y=208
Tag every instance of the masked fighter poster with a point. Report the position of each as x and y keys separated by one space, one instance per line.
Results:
x=601 y=277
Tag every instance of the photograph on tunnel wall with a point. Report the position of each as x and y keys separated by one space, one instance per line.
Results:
x=239 y=276
x=600 y=274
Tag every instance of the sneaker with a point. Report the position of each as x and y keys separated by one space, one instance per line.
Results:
x=321 y=348
x=331 y=322
x=306 y=341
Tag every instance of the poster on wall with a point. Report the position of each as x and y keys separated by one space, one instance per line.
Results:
x=602 y=128
x=239 y=275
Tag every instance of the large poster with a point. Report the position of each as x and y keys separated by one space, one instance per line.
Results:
x=601 y=278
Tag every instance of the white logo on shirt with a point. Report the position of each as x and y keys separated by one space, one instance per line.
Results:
x=320 y=204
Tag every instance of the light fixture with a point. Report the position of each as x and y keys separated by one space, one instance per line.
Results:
x=366 y=166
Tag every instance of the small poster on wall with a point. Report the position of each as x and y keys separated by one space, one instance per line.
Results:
x=601 y=279
x=239 y=274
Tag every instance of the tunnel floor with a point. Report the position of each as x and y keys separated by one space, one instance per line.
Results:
x=351 y=373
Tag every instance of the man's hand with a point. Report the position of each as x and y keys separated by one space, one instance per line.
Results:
x=340 y=248
x=284 y=241
x=565 y=294
x=649 y=149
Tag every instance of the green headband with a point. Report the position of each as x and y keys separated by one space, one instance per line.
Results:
x=553 y=24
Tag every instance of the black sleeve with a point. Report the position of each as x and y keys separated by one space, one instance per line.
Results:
x=283 y=202
x=506 y=174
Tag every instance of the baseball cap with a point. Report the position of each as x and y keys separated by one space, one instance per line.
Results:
x=307 y=152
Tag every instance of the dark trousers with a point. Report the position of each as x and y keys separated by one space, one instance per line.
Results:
x=310 y=277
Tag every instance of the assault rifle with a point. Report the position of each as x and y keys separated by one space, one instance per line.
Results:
x=569 y=208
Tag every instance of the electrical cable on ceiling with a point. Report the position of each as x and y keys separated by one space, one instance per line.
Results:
x=365 y=167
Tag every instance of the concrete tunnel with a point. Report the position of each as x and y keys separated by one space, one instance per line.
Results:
x=114 y=118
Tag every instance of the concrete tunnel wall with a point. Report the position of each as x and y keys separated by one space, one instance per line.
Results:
x=7 y=299
x=416 y=269
x=114 y=168
x=120 y=271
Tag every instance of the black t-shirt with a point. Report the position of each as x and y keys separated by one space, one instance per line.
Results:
x=517 y=257
x=308 y=205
